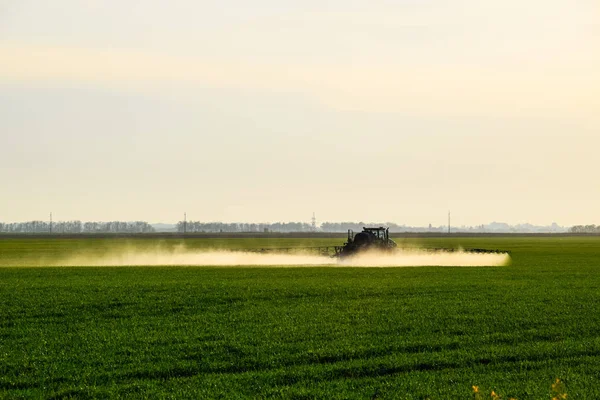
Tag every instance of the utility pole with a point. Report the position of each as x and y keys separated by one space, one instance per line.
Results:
x=448 y=221
x=184 y=223
x=314 y=223
x=50 y=222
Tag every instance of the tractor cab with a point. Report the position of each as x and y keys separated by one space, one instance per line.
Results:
x=380 y=233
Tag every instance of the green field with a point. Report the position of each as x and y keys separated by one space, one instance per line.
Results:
x=202 y=332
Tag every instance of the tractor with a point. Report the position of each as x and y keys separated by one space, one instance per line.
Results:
x=369 y=239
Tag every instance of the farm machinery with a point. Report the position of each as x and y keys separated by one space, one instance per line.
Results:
x=370 y=239
x=374 y=239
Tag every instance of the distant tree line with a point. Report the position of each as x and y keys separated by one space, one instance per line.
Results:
x=333 y=227
x=211 y=227
x=358 y=226
x=76 y=227
x=493 y=227
x=198 y=227
x=585 y=229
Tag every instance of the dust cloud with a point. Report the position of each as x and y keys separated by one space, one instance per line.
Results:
x=421 y=258
x=183 y=257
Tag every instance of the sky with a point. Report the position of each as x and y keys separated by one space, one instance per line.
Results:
x=268 y=111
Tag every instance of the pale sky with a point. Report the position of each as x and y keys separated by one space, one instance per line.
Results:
x=269 y=110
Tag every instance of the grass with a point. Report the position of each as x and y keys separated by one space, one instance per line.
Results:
x=201 y=332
